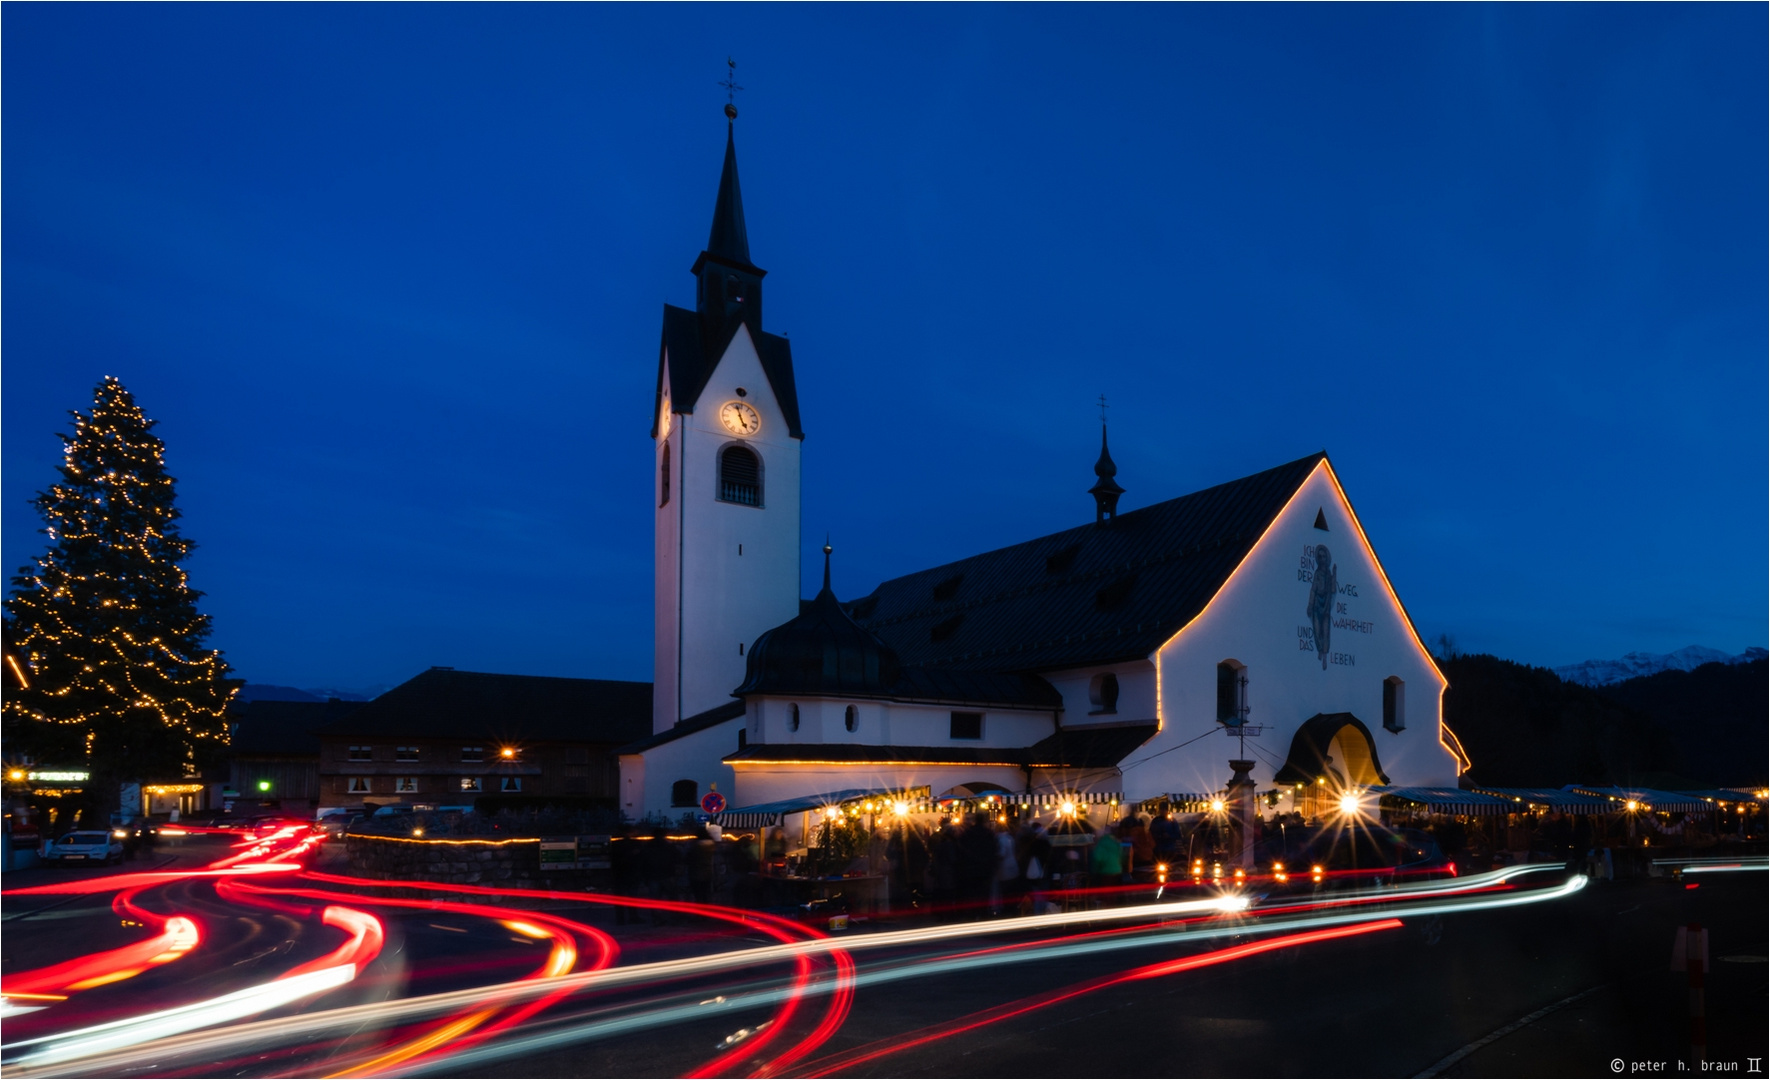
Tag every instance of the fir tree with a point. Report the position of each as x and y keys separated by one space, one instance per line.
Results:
x=106 y=624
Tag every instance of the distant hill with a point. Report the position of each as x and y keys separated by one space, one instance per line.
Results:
x=268 y=692
x=1525 y=727
x=1717 y=715
x=1638 y=664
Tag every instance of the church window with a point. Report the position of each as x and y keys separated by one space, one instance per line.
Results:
x=1232 y=693
x=664 y=478
x=967 y=725
x=851 y=718
x=743 y=738
x=1394 y=704
x=685 y=793
x=1103 y=694
x=792 y=718
x=740 y=476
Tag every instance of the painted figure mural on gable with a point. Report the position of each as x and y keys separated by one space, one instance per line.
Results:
x=1324 y=584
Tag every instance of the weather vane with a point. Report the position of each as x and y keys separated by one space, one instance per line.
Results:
x=1103 y=408
x=731 y=89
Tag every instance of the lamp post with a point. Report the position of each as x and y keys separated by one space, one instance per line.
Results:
x=1241 y=807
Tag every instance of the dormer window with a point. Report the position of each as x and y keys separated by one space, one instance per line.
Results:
x=740 y=476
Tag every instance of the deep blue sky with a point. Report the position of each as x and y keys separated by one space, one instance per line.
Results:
x=391 y=278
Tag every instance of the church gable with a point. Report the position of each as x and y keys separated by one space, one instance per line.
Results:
x=685 y=366
x=1307 y=630
x=1096 y=594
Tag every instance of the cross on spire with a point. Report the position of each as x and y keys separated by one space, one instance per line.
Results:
x=731 y=88
x=1103 y=408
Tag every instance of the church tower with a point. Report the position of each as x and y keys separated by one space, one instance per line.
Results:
x=725 y=428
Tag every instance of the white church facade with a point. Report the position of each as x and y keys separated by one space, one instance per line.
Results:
x=1129 y=658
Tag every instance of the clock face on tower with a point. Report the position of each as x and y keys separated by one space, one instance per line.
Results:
x=739 y=418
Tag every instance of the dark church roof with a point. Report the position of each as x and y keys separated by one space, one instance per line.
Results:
x=713 y=717
x=1090 y=595
x=284 y=728
x=823 y=652
x=445 y=703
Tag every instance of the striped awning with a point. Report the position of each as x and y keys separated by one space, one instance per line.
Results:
x=1647 y=798
x=1452 y=801
x=1571 y=802
x=1052 y=799
x=765 y=815
x=1722 y=795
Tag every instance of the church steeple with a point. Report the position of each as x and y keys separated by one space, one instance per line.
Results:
x=728 y=239
x=1106 y=490
x=729 y=291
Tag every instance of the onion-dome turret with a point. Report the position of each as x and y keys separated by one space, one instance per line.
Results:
x=823 y=651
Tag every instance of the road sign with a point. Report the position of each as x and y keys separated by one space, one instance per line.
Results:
x=712 y=802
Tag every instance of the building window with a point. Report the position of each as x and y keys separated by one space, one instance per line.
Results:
x=743 y=738
x=405 y=785
x=851 y=718
x=1103 y=694
x=1394 y=704
x=664 y=478
x=359 y=785
x=1232 y=693
x=685 y=793
x=967 y=725
x=473 y=753
x=362 y=753
x=405 y=753
x=472 y=783
x=510 y=783
x=740 y=476
x=792 y=718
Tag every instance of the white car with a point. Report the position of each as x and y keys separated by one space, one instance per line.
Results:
x=86 y=847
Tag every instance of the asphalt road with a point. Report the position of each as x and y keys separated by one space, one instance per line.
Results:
x=1567 y=987
x=1391 y=1003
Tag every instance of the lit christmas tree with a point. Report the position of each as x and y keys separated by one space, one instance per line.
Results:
x=106 y=623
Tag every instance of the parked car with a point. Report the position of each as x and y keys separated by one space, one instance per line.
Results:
x=335 y=821
x=85 y=846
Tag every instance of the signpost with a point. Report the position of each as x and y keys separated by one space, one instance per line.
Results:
x=559 y=853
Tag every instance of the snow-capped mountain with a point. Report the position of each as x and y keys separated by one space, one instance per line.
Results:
x=1635 y=664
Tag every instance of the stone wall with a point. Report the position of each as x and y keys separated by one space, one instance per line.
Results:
x=457 y=862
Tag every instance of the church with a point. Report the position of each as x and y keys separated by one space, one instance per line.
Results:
x=1130 y=658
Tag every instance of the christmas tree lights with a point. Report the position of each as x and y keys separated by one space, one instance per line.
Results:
x=105 y=622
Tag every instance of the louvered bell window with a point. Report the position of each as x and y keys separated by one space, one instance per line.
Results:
x=740 y=476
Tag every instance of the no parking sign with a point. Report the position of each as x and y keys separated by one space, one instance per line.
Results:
x=712 y=802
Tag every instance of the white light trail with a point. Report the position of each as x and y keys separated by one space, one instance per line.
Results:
x=1432 y=898
x=85 y=1042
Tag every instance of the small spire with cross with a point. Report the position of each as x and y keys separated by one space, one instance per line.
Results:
x=1103 y=407
x=731 y=89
